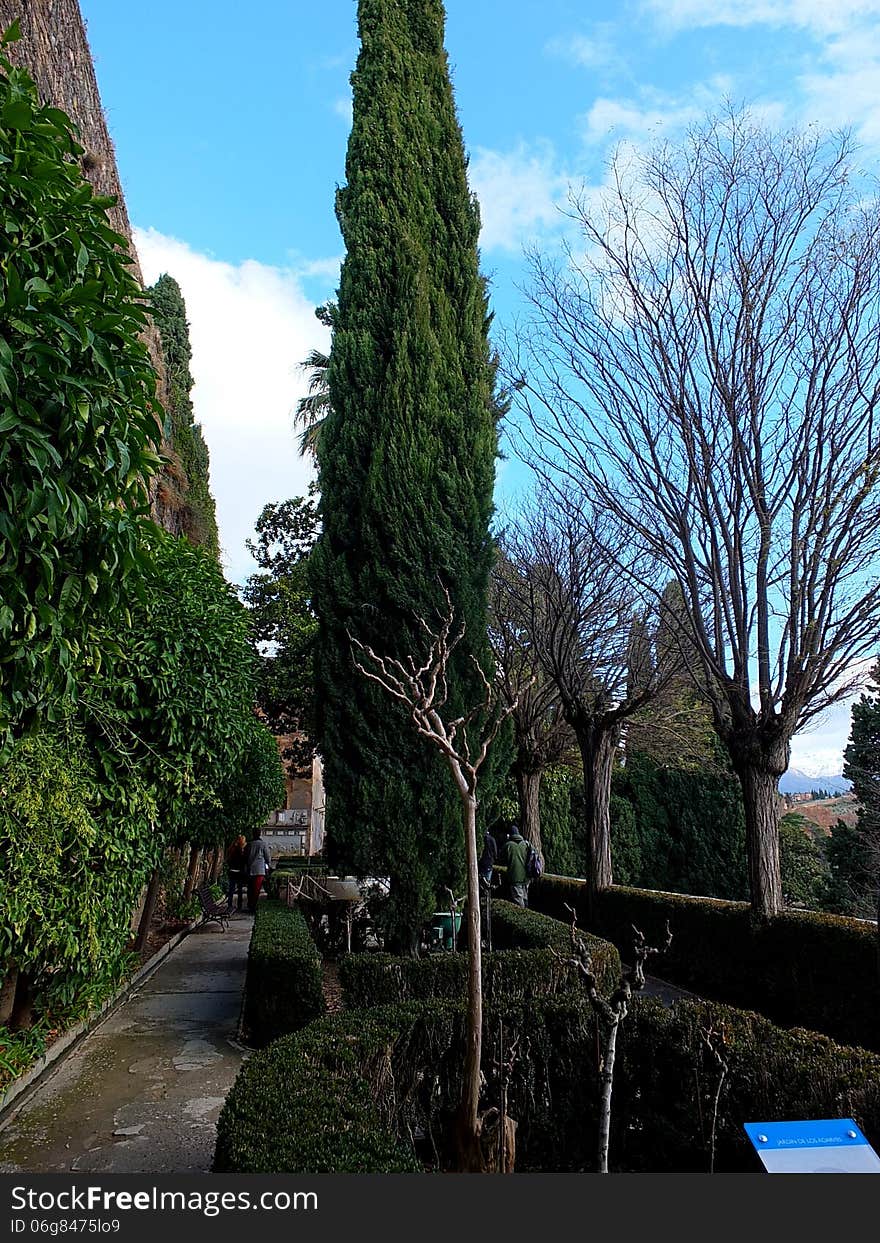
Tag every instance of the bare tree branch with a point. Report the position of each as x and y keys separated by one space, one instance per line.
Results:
x=707 y=365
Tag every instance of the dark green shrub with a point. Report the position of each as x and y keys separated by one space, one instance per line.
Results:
x=283 y=989
x=802 y=968
x=665 y=1082
x=78 y=414
x=521 y=966
x=342 y=1094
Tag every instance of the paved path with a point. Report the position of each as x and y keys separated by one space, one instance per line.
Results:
x=668 y=993
x=141 y=1093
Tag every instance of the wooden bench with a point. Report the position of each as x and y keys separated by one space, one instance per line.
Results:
x=212 y=911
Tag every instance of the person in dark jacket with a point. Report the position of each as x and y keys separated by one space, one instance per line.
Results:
x=487 y=859
x=235 y=867
x=513 y=855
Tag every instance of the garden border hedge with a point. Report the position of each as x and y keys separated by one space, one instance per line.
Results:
x=341 y=1095
x=520 y=968
x=801 y=968
x=284 y=983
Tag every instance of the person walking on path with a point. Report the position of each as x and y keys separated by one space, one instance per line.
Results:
x=488 y=858
x=236 y=870
x=514 y=855
x=258 y=862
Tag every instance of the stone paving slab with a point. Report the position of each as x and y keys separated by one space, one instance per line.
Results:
x=142 y=1092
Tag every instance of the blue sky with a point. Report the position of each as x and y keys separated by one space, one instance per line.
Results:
x=230 y=124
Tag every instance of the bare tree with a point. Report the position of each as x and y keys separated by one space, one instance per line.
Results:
x=464 y=741
x=610 y=1012
x=578 y=611
x=715 y=1041
x=542 y=735
x=709 y=365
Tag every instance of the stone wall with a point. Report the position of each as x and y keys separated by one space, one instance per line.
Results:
x=54 y=48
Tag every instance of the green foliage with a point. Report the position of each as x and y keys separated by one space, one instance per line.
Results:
x=177 y=708
x=353 y=1092
x=284 y=628
x=303 y=1105
x=850 y=872
x=78 y=413
x=665 y=1082
x=626 y=846
x=283 y=990
x=407 y=459
x=522 y=966
x=72 y=862
x=181 y=430
x=253 y=786
x=563 y=851
x=19 y=1050
x=803 y=862
x=800 y=967
x=689 y=832
x=854 y=854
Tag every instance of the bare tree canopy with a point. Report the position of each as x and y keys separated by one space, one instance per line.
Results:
x=709 y=365
x=542 y=735
x=577 y=612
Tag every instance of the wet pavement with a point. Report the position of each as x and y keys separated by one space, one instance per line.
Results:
x=142 y=1092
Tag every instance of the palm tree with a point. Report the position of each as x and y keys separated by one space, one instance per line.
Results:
x=310 y=411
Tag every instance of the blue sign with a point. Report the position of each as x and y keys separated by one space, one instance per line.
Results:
x=815 y=1146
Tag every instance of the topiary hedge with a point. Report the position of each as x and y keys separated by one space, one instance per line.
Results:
x=284 y=986
x=801 y=968
x=376 y=1090
x=521 y=967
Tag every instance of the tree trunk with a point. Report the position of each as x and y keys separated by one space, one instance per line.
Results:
x=194 y=856
x=597 y=753
x=147 y=913
x=7 y=994
x=528 y=789
x=761 y=798
x=472 y=1158
x=607 y=1084
x=216 y=865
x=22 y=1017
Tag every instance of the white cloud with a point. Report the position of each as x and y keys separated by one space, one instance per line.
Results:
x=818 y=16
x=343 y=108
x=653 y=113
x=519 y=192
x=845 y=89
x=839 y=88
x=251 y=325
x=597 y=52
x=818 y=750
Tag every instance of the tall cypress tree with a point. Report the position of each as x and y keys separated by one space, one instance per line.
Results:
x=184 y=434
x=854 y=851
x=406 y=458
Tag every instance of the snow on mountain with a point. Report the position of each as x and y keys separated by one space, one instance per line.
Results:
x=797 y=782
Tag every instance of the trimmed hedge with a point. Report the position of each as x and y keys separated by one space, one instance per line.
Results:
x=375 y=1091
x=304 y=1105
x=802 y=968
x=522 y=966
x=284 y=985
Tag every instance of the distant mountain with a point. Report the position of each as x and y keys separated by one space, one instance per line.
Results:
x=796 y=782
